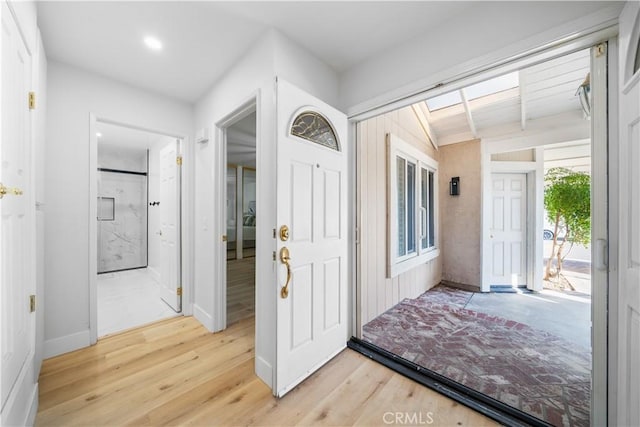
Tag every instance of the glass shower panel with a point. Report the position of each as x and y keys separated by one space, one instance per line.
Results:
x=122 y=221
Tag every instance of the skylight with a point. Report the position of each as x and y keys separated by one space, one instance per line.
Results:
x=478 y=90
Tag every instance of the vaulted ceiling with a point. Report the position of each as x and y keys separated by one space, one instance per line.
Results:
x=541 y=91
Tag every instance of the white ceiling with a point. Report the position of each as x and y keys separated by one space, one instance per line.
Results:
x=203 y=39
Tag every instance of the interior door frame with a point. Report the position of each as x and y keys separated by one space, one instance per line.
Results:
x=185 y=220
x=220 y=196
x=605 y=310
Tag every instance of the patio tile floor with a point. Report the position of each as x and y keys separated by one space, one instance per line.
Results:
x=530 y=369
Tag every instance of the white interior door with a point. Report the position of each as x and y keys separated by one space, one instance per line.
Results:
x=171 y=289
x=16 y=217
x=628 y=392
x=508 y=229
x=312 y=324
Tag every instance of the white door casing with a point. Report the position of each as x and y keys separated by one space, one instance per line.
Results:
x=17 y=220
x=508 y=232
x=628 y=364
x=312 y=322
x=170 y=287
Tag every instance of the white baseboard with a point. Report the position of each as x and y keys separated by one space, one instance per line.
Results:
x=33 y=410
x=155 y=274
x=22 y=404
x=57 y=346
x=203 y=317
x=264 y=371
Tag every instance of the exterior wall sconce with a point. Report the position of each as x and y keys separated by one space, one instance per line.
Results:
x=454 y=186
x=584 y=95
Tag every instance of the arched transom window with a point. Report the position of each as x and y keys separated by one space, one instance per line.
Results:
x=314 y=127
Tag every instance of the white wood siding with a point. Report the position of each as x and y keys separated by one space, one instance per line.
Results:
x=376 y=292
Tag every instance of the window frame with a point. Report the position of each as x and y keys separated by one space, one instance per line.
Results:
x=397 y=263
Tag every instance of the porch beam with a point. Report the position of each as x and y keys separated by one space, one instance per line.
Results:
x=523 y=101
x=467 y=109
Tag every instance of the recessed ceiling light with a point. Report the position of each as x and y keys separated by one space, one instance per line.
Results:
x=98 y=134
x=153 y=43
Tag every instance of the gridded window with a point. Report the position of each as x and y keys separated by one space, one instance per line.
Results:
x=412 y=206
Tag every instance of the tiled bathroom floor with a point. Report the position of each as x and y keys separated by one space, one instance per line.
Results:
x=127 y=299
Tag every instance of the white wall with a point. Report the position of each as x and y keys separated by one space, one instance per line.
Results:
x=72 y=95
x=479 y=36
x=253 y=75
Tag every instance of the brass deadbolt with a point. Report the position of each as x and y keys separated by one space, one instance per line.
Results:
x=284 y=233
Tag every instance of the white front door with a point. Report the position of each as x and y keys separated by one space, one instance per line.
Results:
x=508 y=229
x=312 y=324
x=17 y=221
x=628 y=382
x=170 y=287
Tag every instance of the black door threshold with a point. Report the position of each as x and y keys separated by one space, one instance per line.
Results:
x=488 y=406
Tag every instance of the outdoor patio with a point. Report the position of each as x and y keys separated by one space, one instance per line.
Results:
x=531 y=351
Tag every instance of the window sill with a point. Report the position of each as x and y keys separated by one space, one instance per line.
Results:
x=411 y=263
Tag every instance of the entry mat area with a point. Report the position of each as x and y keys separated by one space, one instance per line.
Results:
x=529 y=369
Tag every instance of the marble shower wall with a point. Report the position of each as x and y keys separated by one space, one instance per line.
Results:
x=122 y=241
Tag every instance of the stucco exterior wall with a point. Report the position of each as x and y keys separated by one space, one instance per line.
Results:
x=460 y=216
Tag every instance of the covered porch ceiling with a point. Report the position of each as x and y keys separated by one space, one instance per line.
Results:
x=508 y=104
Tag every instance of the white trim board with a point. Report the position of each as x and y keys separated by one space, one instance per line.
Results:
x=67 y=343
x=204 y=318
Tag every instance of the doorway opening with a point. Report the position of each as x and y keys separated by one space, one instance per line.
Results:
x=138 y=227
x=463 y=295
x=241 y=219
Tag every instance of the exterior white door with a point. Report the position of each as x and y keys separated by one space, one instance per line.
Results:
x=628 y=383
x=170 y=253
x=312 y=324
x=17 y=220
x=508 y=229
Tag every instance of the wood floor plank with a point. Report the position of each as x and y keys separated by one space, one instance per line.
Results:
x=176 y=373
x=241 y=289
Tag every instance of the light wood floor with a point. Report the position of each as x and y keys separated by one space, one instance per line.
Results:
x=241 y=289
x=174 y=372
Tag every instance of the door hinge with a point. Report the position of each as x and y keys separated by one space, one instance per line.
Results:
x=274 y=233
x=274 y=255
x=32 y=303
x=32 y=100
x=179 y=160
x=601 y=49
x=179 y=291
